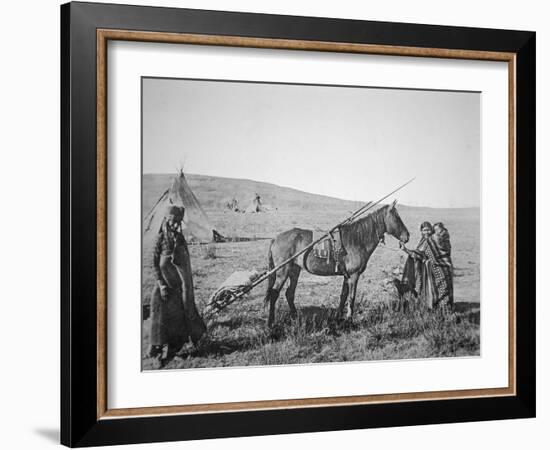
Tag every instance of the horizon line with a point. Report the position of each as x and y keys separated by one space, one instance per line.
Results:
x=306 y=192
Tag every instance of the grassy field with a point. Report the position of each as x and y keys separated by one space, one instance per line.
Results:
x=239 y=337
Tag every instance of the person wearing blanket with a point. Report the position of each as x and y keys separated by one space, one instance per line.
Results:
x=433 y=268
x=174 y=316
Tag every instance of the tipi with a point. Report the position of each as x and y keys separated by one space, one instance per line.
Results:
x=256 y=206
x=196 y=225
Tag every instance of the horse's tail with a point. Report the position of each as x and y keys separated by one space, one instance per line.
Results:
x=272 y=277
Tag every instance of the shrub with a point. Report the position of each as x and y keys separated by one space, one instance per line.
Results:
x=447 y=333
x=377 y=324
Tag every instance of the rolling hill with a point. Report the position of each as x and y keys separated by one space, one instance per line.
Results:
x=214 y=192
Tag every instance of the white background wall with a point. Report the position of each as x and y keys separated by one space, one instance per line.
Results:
x=29 y=225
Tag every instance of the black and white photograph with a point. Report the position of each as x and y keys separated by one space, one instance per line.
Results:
x=301 y=224
x=277 y=224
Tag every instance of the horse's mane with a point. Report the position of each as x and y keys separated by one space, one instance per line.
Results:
x=365 y=230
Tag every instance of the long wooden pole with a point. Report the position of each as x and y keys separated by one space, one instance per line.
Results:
x=161 y=198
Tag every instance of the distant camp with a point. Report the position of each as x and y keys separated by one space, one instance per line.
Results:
x=257 y=206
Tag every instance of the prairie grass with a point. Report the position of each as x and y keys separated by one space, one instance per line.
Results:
x=379 y=333
x=239 y=336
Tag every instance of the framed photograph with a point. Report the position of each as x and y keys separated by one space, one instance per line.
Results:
x=277 y=224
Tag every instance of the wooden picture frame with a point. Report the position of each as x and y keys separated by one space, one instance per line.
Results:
x=86 y=418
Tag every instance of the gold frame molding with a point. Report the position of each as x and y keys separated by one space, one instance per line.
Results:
x=103 y=36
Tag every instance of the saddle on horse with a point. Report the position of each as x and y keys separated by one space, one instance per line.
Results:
x=326 y=257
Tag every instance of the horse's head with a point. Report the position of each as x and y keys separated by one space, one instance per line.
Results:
x=394 y=224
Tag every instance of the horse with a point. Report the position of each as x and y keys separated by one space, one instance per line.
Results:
x=359 y=239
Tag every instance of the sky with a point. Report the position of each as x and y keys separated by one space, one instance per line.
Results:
x=354 y=143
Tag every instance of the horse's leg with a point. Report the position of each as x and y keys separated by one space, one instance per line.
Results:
x=352 y=286
x=343 y=297
x=294 y=273
x=273 y=293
